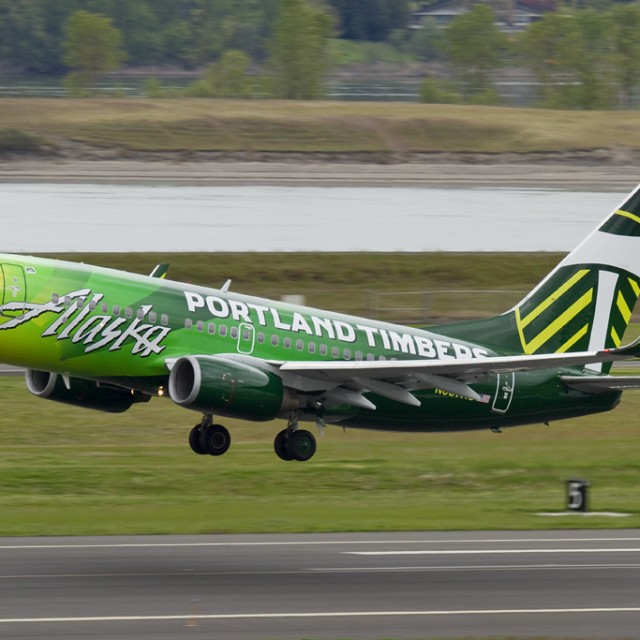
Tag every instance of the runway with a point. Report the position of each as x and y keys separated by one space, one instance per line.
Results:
x=570 y=584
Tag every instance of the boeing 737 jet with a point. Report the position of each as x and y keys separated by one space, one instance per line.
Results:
x=104 y=339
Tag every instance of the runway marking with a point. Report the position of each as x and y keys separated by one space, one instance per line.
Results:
x=463 y=552
x=293 y=543
x=319 y=614
x=183 y=574
x=497 y=567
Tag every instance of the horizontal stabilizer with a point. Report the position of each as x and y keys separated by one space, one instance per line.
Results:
x=595 y=384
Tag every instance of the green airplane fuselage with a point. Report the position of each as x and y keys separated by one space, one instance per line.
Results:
x=119 y=328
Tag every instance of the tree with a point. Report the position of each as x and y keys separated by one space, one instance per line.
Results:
x=475 y=47
x=92 y=46
x=427 y=43
x=625 y=26
x=569 y=53
x=370 y=19
x=227 y=78
x=299 y=50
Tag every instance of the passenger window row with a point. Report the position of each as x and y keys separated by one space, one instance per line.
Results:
x=221 y=329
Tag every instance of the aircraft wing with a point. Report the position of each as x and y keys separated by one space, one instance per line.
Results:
x=346 y=381
x=337 y=369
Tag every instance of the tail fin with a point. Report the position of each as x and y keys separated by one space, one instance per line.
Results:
x=585 y=303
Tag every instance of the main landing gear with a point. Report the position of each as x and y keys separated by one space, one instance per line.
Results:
x=293 y=443
x=208 y=438
x=290 y=444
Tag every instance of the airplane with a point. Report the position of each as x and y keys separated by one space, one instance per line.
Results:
x=104 y=339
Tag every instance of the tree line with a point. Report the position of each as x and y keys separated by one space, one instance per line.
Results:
x=188 y=33
x=580 y=58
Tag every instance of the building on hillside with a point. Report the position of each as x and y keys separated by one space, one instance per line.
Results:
x=511 y=15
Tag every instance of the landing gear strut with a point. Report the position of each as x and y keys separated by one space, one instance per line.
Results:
x=293 y=443
x=208 y=438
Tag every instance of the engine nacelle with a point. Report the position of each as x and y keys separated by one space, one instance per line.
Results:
x=81 y=393
x=219 y=386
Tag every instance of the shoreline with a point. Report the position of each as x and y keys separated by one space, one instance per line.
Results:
x=287 y=170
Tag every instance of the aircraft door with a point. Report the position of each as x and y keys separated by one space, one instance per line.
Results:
x=246 y=338
x=13 y=288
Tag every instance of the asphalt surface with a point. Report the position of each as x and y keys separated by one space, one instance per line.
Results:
x=571 y=584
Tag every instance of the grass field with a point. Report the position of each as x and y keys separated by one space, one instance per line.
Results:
x=179 y=125
x=72 y=471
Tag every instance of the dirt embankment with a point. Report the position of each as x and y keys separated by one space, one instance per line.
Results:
x=569 y=171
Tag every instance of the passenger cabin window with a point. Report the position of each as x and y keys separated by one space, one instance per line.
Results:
x=55 y=298
x=200 y=326
x=347 y=354
x=164 y=319
x=335 y=352
x=223 y=330
x=211 y=328
x=188 y=323
x=324 y=350
x=234 y=332
x=116 y=309
x=286 y=343
x=104 y=307
x=128 y=312
x=299 y=345
x=260 y=337
x=153 y=317
x=275 y=341
x=311 y=347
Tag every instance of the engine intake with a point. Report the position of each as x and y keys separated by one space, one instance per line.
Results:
x=82 y=393
x=216 y=385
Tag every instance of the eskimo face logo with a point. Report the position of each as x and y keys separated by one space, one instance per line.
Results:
x=80 y=325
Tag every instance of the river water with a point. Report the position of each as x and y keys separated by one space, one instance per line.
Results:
x=94 y=218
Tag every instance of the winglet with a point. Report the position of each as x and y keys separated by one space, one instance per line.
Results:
x=160 y=270
x=631 y=350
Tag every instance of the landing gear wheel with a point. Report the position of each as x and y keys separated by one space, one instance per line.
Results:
x=301 y=445
x=280 y=445
x=194 y=441
x=215 y=440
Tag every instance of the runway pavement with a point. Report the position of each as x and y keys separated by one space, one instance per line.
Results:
x=571 y=584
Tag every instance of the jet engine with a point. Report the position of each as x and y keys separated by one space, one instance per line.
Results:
x=215 y=385
x=82 y=393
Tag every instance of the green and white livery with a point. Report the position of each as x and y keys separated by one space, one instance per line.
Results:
x=105 y=339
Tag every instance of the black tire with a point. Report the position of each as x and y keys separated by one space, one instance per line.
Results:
x=280 y=446
x=301 y=445
x=194 y=441
x=215 y=440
